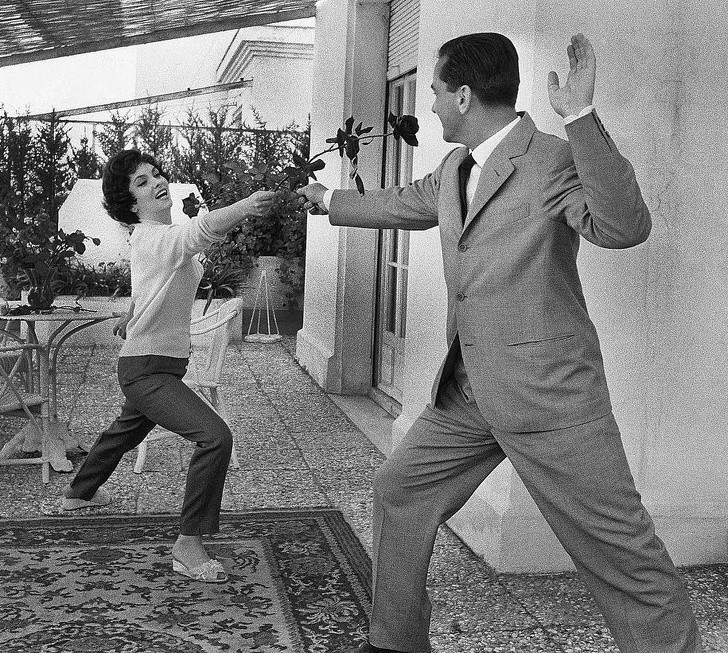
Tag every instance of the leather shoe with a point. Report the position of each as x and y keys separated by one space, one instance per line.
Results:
x=366 y=647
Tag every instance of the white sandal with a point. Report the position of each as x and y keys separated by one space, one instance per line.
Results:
x=208 y=572
x=100 y=498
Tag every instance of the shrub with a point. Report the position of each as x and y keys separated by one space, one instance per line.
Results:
x=105 y=280
x=226 y=267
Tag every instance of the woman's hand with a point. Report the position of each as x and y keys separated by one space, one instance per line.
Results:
x=120 y=326
x=258 y=204
x=226 y=218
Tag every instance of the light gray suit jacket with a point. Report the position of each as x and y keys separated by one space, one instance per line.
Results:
x=515 y=302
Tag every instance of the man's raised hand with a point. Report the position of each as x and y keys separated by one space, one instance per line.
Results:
x=578 y=90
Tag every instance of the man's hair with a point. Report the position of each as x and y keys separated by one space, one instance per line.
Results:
x=115 y=184
x=486 y=62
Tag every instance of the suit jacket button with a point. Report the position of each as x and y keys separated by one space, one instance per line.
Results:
x=460 y=296
x=462 y=247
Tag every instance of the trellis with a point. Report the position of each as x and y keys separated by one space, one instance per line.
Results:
x=31 y=30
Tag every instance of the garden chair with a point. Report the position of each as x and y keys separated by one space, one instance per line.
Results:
x=17 y=401
x=8 y=338
x=205 y=379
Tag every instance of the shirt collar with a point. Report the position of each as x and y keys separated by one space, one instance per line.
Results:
x=485 y=149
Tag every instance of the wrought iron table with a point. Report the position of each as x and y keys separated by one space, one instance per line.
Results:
x=63 y=323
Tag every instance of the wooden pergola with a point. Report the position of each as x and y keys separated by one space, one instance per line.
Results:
x=31 y=30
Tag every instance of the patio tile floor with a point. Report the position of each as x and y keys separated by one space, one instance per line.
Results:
x=296 y=448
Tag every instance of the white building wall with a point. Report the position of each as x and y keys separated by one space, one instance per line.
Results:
x=659 y=308
x=179 y=64
x=277 y=57
x=279 y=60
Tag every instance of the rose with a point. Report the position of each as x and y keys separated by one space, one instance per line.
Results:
x=405 y=127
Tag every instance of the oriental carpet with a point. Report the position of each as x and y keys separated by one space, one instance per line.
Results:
x=299 y=582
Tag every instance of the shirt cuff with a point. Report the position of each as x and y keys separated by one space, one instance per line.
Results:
x=581 y=114
x=327 y=199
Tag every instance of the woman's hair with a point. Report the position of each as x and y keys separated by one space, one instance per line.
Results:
x=486 y=62
x=115 y=184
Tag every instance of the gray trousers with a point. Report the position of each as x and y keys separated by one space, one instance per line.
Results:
x=581 y=482
x=155 y=394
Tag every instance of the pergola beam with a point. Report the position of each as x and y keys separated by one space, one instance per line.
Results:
x=210 y=19
x=152 y=99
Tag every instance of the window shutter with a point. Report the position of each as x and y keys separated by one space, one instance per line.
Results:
x=404 y=23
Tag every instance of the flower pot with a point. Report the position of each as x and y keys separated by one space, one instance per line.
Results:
x=40 y=297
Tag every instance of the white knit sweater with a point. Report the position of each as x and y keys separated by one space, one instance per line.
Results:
x=165 y=274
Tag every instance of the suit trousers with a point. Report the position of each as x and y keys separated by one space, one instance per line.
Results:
x=581 y=482
x=155 y=394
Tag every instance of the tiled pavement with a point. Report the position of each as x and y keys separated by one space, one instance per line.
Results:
x=296 y=448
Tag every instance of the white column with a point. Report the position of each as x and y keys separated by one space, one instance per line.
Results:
x=335 y=344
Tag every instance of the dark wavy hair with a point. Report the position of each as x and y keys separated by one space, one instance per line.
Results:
x=116 y=184
x=486 y=62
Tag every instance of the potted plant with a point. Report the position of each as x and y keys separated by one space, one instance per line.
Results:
x=32 y=251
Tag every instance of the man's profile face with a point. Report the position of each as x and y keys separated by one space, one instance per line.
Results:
x=445 y=106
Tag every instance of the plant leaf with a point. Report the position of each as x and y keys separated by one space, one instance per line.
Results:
x=352 y=147
x=233 y=165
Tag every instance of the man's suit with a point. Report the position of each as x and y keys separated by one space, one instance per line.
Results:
x=517 y=316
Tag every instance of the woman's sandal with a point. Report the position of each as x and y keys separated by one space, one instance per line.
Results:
x=101 y=498
x=208 y=572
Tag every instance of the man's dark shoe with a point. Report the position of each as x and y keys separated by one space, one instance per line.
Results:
x=366 y=647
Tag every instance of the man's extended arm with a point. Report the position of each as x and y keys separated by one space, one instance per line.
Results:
x=409 y=207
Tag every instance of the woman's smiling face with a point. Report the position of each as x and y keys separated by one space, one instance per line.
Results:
x=151 y=192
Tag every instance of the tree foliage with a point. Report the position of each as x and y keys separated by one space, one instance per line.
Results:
x=39 y=165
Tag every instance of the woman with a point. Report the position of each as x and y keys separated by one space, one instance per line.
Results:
x=165 y=274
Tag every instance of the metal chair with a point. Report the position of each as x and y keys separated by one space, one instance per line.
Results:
x=16 y=401
x=205 y=379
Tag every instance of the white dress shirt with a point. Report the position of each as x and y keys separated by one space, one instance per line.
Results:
x=481 y=154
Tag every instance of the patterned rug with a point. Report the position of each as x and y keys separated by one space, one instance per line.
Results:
x=299 y=582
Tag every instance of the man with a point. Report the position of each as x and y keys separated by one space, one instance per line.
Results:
x=523 y=376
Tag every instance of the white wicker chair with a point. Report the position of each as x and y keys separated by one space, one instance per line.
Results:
x=205 y=379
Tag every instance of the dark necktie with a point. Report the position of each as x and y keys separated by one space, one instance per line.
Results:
x=464 y=173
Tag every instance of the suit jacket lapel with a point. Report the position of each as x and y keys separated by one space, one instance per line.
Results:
x=498 y=167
